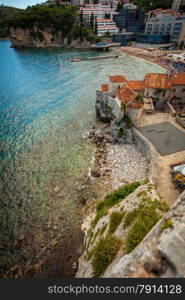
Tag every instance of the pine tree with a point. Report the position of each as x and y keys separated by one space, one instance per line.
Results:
x=95 y=26
x=92 y=21
x=81 y=17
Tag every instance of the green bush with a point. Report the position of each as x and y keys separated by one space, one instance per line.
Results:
x=115 y=219
x=103 y=254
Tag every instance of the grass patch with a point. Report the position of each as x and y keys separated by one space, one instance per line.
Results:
x=115 y=219
x=103 y=254
x=147 y=217
x=89 y=237
x=119 y=194
x=95 y=236
x=99 y=214
x=140 y=220
x=161 y=205
x=130 y=217
x=142 y=193
x=167 y=223
x=102 y=230
x=146 y=180
x=113 y=199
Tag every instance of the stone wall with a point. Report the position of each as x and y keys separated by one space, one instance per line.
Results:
x=180 y=121
x=169 y=109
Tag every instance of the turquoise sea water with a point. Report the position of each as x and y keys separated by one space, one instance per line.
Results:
x=46 y=110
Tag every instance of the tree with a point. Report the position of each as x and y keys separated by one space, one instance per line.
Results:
x=92 y=21
x=81 y=17
x=107 y=34
x=95 y=26
x=119 y=6
x=107 y=15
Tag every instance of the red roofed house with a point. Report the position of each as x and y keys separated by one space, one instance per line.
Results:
x=116 y=82
x=121 y=96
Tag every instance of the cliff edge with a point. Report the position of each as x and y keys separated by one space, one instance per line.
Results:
x=137 y=237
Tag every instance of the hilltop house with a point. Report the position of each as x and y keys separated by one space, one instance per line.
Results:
x=157 y=91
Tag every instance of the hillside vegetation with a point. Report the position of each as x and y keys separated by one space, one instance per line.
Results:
x=60 y=18
x=6 y=12
x=149 y=5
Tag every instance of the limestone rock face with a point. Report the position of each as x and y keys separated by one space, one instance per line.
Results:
x=108 y=112
x=160 y=254
x=103 y=111
x=36 y=38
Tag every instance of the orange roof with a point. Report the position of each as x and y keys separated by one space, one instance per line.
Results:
x=117 y=78
x=136 y=85
x=155 y=81
x=125 y=94
x=178 y=79
x=104 y=87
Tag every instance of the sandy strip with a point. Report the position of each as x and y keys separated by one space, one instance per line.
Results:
x=146 y=58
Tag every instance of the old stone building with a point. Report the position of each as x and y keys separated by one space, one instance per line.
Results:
x=121 y=96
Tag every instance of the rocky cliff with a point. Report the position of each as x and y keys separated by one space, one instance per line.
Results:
x=137 y=237
x=132 y=232
x=36 y=38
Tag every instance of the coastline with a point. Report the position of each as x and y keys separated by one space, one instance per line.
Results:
x=152 y=60
x=4 y=39
x=114 y=165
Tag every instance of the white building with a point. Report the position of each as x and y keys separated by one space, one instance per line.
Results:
x=98 y=11
x=105 y=26
x=166 y=22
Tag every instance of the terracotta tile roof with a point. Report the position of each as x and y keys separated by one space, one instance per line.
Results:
x=125 y=94
x=104 y=87
x=117 y=79
x=153 y=80
x=136 y=85
x=178 y=79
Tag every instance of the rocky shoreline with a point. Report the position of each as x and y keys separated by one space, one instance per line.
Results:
x=116 y=163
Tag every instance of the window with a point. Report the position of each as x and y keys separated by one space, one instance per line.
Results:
x=174 y=90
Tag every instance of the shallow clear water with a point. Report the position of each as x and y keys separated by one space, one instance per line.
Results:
x=46 y=110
